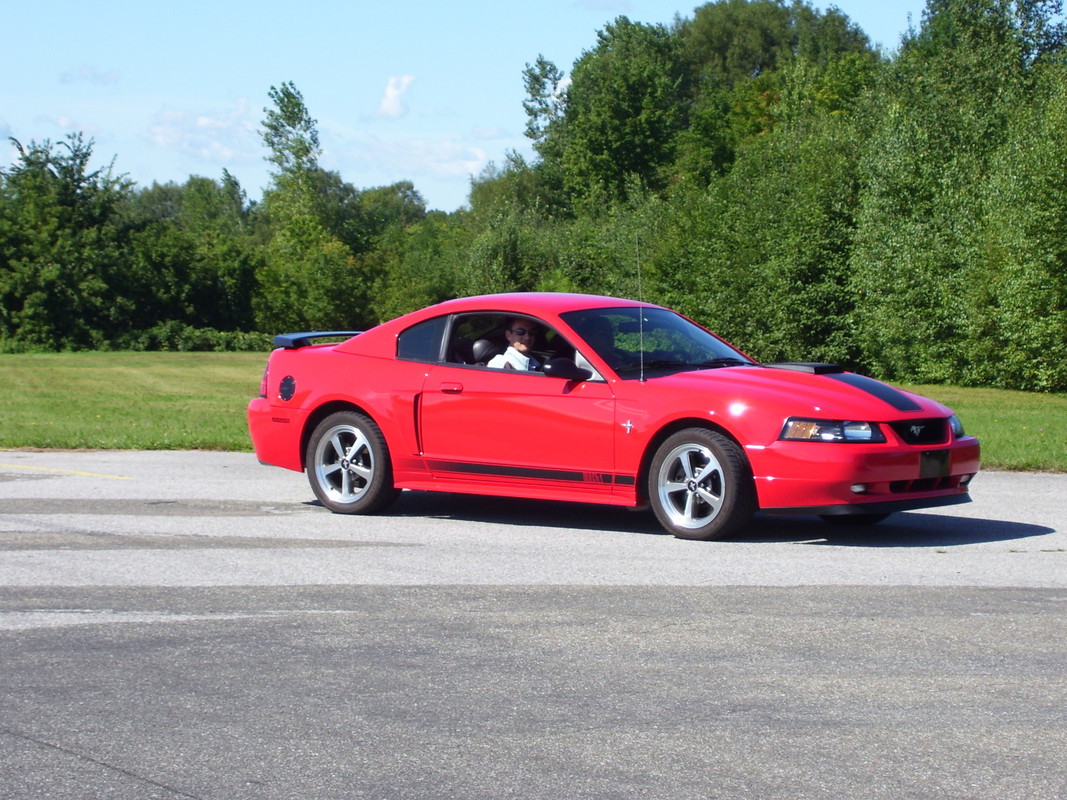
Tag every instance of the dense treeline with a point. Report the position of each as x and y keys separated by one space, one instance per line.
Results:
x=757 y=166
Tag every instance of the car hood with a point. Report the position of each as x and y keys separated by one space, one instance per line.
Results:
x=838 y=395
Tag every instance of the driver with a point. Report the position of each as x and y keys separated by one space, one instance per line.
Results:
x=520 y=334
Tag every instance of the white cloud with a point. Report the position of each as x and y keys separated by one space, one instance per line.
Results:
x=64 y=123
x=91 y=75
x=370 y=160
x=392 y=104
x=217 y=136
x=490 y=134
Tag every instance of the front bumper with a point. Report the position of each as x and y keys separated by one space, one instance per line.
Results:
x=825 y=478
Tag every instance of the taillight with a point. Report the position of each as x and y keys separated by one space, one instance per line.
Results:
x=263 y=383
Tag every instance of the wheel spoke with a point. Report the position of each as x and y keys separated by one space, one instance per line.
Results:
x=706 y=472
x=358 y=443
x=337 y=446
x=686 y=460
x=690 y=506
x=713 y=500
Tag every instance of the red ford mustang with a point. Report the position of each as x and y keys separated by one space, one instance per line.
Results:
x=600 y=400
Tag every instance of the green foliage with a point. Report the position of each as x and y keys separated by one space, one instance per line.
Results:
x=625 y=104
x=289 y=132
x=762 y=255
x=950 y=100
x=59 y=246
x=191 y=259
x=1017 y=292
x=178 y=337
x=309 y=281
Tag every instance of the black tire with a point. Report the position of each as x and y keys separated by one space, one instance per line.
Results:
x=348 y=465
x=853 y=520
x=700 y=485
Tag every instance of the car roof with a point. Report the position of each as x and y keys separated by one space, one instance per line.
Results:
x=381 y=340
x=532 y=303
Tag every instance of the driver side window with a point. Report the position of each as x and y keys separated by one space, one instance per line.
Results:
x=475 y=339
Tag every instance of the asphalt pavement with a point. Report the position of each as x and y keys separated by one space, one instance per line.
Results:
x=182 y=624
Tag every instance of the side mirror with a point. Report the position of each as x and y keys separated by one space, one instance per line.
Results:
x=566 y=369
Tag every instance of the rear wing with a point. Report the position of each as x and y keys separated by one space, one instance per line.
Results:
x=294 y=341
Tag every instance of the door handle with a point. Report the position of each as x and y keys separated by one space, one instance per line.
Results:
x=451 y=388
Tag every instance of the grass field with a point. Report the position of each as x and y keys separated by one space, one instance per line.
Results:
x=196 y=401
x=129 y=401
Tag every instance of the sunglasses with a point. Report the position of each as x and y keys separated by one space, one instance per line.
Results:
x=523 y=331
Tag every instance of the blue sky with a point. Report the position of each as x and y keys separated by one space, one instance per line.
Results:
x=404 y=90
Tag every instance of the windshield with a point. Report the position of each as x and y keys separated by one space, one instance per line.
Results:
x=638 y=341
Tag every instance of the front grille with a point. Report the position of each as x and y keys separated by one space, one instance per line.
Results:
x=922 y=431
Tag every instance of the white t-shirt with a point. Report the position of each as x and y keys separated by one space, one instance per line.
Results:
x=513 y=359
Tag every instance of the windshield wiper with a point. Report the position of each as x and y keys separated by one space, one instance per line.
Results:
x=655 y=363
x=671 y=363
x=726 y=361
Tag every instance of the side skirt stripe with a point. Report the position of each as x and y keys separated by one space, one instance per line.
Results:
x=532 y=473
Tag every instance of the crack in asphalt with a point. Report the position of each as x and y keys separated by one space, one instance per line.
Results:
x=97 y=762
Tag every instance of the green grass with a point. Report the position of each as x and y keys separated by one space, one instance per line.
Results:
x=128 y=401
x=197 y=401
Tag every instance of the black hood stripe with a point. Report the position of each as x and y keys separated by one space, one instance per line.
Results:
x=895 y=397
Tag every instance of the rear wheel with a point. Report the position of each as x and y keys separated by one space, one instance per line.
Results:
x=700 y=485
x=348 y=465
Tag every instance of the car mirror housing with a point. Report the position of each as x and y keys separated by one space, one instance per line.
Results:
x=566 y=369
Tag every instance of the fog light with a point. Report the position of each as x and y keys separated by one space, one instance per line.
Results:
x=859 y=488
x=966 y=479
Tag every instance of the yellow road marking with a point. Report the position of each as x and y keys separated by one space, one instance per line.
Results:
x=68 y=472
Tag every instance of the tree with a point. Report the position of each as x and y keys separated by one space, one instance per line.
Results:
x=290 y=133
x=733 y=41
x=948 y=102
x=192 y=260
x=746 y=58
x=544 y=103
x=310 y=276
x=762 y=255
x=626 y=102
x=60 y=248
x=1016 y=290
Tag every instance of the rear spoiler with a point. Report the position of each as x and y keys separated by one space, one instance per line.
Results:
x=294 y=341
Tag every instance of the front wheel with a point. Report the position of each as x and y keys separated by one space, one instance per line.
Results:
x=348 y=465
x=700 y=485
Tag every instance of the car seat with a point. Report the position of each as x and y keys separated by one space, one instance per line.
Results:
x=485 y=349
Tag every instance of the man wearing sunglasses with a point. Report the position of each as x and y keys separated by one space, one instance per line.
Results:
x=520 y=334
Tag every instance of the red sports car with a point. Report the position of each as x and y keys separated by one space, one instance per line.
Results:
x=599 y=400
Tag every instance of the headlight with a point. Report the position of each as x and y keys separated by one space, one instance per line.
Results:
x=830 y=430
x=956 y=425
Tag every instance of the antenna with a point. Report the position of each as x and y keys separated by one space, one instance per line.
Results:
x=640 y=311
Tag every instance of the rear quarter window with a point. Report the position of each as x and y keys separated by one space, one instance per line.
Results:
x=421 y=342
